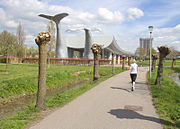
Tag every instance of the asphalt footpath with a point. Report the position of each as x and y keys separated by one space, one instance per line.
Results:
x=109 y=105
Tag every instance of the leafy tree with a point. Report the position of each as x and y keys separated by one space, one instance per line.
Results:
x=153 y=51
x=140 y=52
x=32 y=51
x=7 y=43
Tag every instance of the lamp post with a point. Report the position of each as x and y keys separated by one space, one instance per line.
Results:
x=150 y=46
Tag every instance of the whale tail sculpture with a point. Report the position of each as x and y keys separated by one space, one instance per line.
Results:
x=57 y=18
x=61 y=48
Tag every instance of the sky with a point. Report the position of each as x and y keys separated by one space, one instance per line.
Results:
x=126 y=20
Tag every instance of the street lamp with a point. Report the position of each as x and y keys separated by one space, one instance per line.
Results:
x=150 y=46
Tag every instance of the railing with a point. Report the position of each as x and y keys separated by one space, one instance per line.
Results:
x=61 y=61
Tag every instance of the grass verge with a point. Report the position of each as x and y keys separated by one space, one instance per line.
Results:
x=166 y=98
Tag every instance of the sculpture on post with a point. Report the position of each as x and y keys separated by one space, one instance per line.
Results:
x=61 y=48
x=96 y=49
x=163 y=52
x=154 y=58
x=88 y=43
x=42 y=40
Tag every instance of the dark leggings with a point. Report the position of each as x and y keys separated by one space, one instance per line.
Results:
x=133 y=77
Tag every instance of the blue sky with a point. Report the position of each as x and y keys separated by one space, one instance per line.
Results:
x=127 y=20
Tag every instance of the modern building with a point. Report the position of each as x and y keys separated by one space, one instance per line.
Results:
x=109 y=46
x=145 y=44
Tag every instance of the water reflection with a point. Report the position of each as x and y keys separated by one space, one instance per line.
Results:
x=11 y=108
x=176 y=78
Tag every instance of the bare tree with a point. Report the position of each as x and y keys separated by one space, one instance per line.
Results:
x=113 y=70
x=173 y=55
x=96 y=49
x=42 y=40
x=163 y=52
x=21 y=37
x=123 y=63
x=52 y=43
x=154 y=58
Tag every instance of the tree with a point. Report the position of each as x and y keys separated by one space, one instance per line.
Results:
x=32 y=51
x=42 y=40
x=20 y=40
x=163 y=52
x=140 y=52
x=153 y=51
x=52 y=43
x=173 y=53
x=154 y=58
x=113 y=69
x=7 y=43
x=96 y=49
x=123 y=63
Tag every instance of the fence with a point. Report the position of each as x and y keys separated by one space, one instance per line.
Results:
x=66 y=61
x=61 y=61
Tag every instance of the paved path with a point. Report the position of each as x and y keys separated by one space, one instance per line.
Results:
x=106 y=106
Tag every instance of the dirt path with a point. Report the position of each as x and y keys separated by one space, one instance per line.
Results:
x=110 y=105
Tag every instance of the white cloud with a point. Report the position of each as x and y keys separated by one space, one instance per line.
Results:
x=11 y=24
x=80 y=28
x=106 y=16
x=134 y=13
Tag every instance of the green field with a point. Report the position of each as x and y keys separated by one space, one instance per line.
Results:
x=166 y=63
x=166 y=98
x=22 y=79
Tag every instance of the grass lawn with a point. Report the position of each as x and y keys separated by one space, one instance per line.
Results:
x=22 y=79
x=166 y=98
x=166 y=63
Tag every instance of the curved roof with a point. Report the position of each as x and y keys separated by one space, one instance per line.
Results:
x=79 y=41
x=108 y=42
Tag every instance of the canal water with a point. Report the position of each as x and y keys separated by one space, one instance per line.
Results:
x=13 y=107
x=175 y=77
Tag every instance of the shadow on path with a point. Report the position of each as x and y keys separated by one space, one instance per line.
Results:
x=130 y=114
x=143 y=83
x=120 y=88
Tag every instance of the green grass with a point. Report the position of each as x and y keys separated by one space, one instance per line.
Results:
x=166 y=63
x=30 y=113
x=20 y=119
x=22 y=78
x=166 y=98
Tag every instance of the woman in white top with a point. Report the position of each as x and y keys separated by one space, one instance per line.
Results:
x=133 y=73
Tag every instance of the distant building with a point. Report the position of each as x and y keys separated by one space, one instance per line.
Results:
x=76 y=45
x=145 y=44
